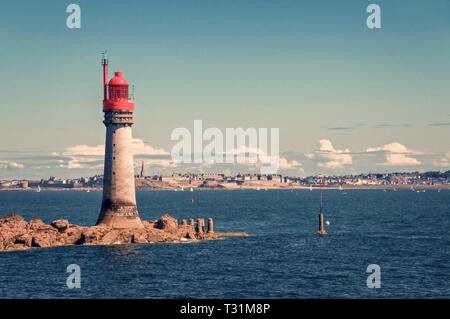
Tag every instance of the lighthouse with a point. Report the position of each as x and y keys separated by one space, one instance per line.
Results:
x=119 y=208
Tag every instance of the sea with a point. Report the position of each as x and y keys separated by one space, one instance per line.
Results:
x=405 y=233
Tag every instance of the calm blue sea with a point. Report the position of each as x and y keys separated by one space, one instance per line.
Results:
x=406 y=233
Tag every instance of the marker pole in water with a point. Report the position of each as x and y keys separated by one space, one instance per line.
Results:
x=321 y=230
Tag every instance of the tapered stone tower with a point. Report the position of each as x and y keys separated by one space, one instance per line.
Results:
x=119 y=208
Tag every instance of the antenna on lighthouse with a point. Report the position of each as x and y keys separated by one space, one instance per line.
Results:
x=104 y=59
x=105 y=75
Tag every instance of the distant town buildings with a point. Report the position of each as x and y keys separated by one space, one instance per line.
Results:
x=187 y=181
x=53 y=182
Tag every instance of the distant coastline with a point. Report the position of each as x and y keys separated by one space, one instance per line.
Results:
x=215 y=181
x=243 y=188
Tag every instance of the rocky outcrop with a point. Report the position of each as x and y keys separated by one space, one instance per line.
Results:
x=60 y=224
x=16 y=233
x=167 y=224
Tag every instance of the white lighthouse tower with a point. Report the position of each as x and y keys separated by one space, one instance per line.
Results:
x=119 y=208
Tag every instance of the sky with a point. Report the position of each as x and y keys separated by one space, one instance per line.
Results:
x=346 y=99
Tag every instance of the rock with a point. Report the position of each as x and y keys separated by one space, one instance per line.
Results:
x=16 y=233
x=60 y=224
x=43 y=240
x=36 y=223
x=147 y=224
x=93 y=235
x=157 y=236
x=72 y=236
x=190 y=235
x=24 y=239
x=13 y=221
x=110 y=237
x=125 y=237
x=200 y=225
x=139 y=237
x=168 y=224
x=186 y=231
x=210 y=226
x=11 y=218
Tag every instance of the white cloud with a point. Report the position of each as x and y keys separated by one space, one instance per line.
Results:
x=140 y=148
x=396 y=154
x=84 y=150
x=81 y=155
x=41 y=167
x=245 y=150
x=15 y=165
x=265 y=158
x=337 y=158
x=155 y=162
x=10 y=164
x=285 y=164
x=75 y=164
x=444 y=162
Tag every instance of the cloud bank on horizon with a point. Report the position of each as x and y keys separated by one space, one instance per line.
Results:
x=85 y=160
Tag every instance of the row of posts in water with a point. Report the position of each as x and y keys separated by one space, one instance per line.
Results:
x=200 y=225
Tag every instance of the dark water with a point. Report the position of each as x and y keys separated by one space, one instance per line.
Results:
x=404 y=232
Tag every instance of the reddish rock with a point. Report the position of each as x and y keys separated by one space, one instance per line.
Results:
x=200 y=225
x=210 y=226
x=24 y=239
x=148 y=224
x=60 y=224
x=72 y=235
x=92 y=235
x=186 y=231
x=16 y=233
x=13 y=221
x=168 y=224
x=139 y=237
x=43 y=239
x=36 y=224
x=11 y=218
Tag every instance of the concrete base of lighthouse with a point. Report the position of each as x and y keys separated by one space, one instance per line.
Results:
x=119 y=208
x=120 y=217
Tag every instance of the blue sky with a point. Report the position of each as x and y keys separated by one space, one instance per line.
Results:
x=310 y=68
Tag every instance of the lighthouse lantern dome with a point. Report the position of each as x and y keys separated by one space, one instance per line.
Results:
x=118 y=79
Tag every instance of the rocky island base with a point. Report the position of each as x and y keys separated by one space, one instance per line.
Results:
x=16 y=233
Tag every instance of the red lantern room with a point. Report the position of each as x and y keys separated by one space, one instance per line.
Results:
x=115 y=93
